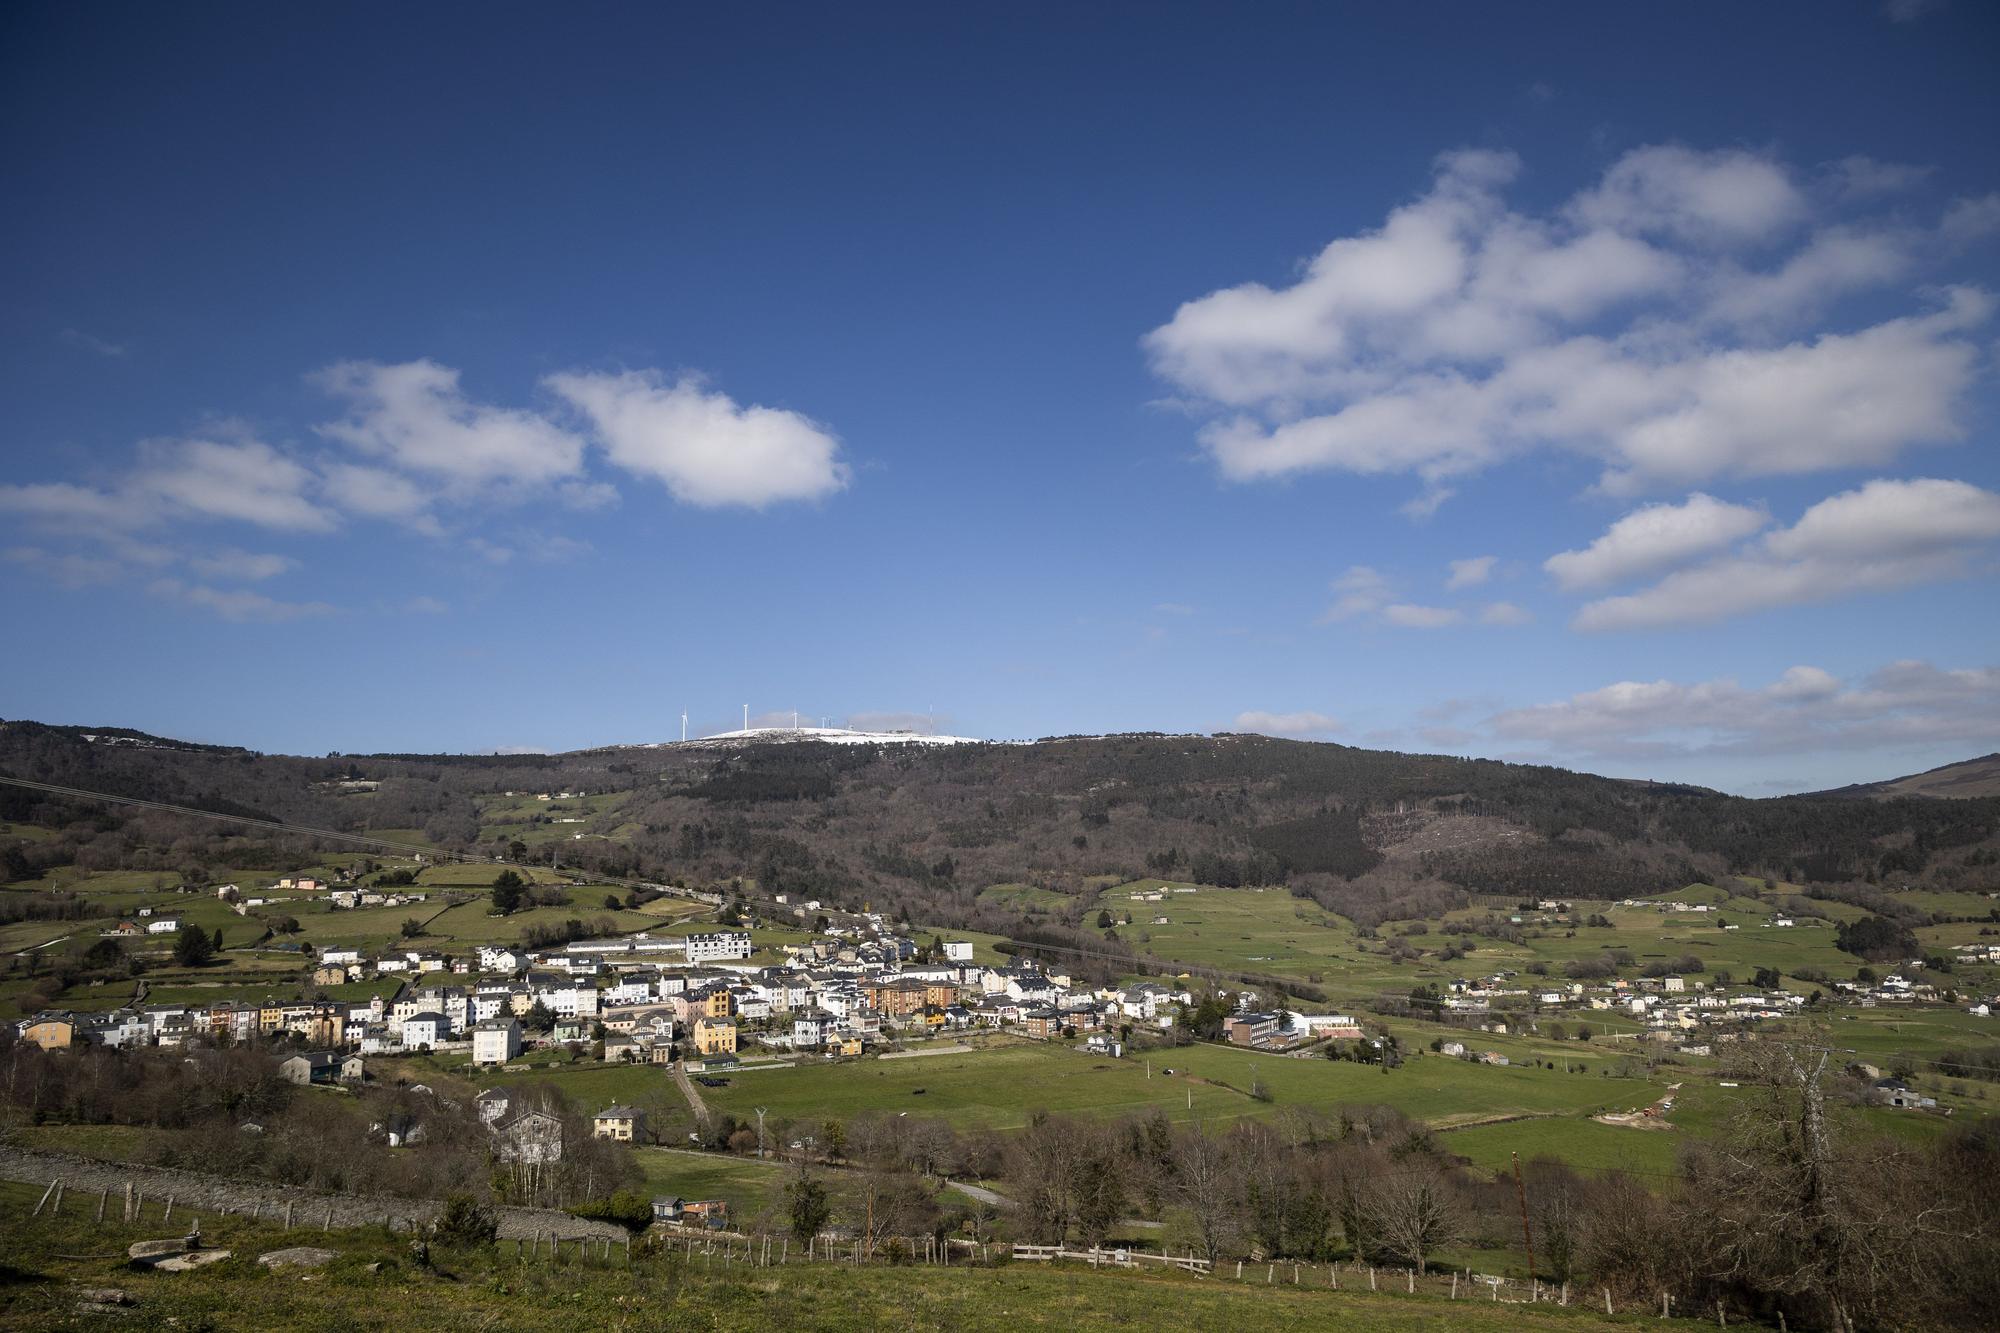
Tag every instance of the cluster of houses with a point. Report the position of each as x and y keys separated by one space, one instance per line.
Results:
x=1285 y=1030
x=651 y=998
x=1669 y=1007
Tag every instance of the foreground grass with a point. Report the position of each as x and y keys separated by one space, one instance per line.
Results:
x=48 y=1260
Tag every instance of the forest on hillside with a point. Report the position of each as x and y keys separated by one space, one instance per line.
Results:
x=1376 y=835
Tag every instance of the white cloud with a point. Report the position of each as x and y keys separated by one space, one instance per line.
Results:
x=1403 y=615
x=1365 y=593
x=1725 y=197
x=1472 y=571
x=1461 y=333
x=240 y=479
x=705 y=448
x=241 y=566
x=238 y=604
x=1654 y=538
x=1884 y=535
x=1504 y=613
x=60 y=502
x=1362 y=589
x=1288 y=724
x=415 y=416
x=1833 y=263
x=1806 y=709
x=1969 y=220
x=374 y=492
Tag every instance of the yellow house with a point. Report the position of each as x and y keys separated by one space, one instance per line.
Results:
x=714 y=1036
x=849 y=1045
x=51 y=1032
x=617 y=1122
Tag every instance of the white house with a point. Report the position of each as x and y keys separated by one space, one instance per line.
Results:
x=495 y=1041
x=425 y=1029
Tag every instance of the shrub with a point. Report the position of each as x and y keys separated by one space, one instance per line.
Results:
x=466 y=1221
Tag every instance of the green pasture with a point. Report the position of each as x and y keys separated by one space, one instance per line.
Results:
x=1025 y=897
x=754 y=1189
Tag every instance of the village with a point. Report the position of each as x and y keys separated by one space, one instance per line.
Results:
x=703 y=1000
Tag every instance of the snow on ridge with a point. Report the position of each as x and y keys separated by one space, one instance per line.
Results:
x=830 y=735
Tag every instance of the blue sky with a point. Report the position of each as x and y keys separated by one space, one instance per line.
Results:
x=1607 y=386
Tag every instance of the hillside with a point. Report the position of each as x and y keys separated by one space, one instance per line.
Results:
x=1965 y=780
x=1375 y=835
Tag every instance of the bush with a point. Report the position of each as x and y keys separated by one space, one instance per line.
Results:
x=466 y=1221
x=631 y=1210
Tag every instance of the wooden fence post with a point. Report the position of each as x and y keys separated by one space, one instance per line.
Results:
x=1411 y=1275
x=56 y=1207
x=1239 y=1270
x=128 y=1202
x=44 y=1199
x=103 y=1197
x=1454 y=1284
x=288 y=1214
x=1371 y=1277
x=168 y=1215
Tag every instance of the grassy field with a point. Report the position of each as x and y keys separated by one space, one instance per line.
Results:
x=51 y=1257
x=754 y=1189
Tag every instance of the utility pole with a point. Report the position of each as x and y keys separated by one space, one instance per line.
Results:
x=1526 y=1235
x=760 y=1133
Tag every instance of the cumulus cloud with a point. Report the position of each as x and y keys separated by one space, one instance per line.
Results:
x=1653 y=322
x=1471 y=572
x=1725 y=197
x=415 y=417
x=1654 y=538
x=1880 y=536
x=1362 y=590
x=1365 y=593
x=1969 y=220
x=1301 y=724
x=1405 y=615
x=231 y=477
x=1807 y=709
x=1504 y=613
x=701 y=444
